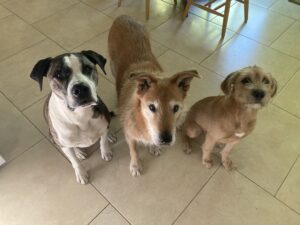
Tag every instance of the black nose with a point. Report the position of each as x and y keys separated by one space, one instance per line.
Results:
x=80 y=91
x=165 y=138
x=258 y=94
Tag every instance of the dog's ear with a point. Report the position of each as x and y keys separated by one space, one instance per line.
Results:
x=183 y=79
x=40 y=71
x=144 y=81
x=95 y=58
x=273 y=87
x=228 y=84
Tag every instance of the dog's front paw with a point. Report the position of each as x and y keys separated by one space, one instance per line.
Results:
x=112 y=138
x=187 y=149
x=80 y=154
x=107 y=155
x=135 y=169
x=208 y=163
x=155 y=150
x=82 y=176
x=228 y=165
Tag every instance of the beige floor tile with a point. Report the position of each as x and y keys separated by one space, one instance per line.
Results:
x=101 y=4
x=240 y=52
x=75 y=25
x=264 y=3
x=106 y=92
x=17 y=133
x=263 y=25
x=194 y=38
x=109 y=216
x=16 y=83
x=16 y=35
x=231 y=199
x=35 y=114
x=4 y=12
x=288 y=42
x=34 y=10
x=166 y=186
x=290 y=191
x=160 y=11
x=208 y=85
x=40 y=188
x=288 y=99
x=266 y=155
x=99 y=44
x=287 y=8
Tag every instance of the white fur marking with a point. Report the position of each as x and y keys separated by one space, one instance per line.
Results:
x=240 y=134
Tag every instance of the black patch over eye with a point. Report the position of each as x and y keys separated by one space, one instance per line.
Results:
x=152 y=108
x=87 y=70
x=265 y=80
x=62 y=74
x=246 y=80
x=175 y=108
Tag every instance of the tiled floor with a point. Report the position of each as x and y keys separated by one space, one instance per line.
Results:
x=37 y=185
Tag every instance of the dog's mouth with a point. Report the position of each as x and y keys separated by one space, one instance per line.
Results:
x=83 y=104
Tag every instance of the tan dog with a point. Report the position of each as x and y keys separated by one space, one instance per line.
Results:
x=149 y=105
x=227 y=119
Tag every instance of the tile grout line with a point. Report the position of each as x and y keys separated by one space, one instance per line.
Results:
x=292 y=24
x=291 y=114
x=267 y=192
x=294 y=163
x=22 y=153
x=99 y=213
x=37 y=30
x=91 y=183
x=288 y=81
x=201 y=188
x=23 y=50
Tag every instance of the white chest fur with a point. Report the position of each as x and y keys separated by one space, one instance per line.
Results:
x=75 y=128
x=241 y=134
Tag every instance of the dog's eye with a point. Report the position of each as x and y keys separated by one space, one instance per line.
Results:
x=246 y=80
x=152 y=108
x=87 y=70
x=265 y=80
x=175 y=108
x=58 y=74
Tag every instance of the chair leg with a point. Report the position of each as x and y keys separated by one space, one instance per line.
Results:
x=119 y=3
x=147 y=9
x=187 y=8
x=246 y=10
x=225 y=18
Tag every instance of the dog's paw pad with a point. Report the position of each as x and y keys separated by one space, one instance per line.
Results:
x=208 y=163
x=80 y=154
x=82 y=176
x=107 y=156
x=154 y=150
x=135 y=170
x=112 y=138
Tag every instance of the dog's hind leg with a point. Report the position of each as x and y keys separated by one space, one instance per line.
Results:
x=106 y=152
x=189 y=131
x=80 y=154
x=81 y=174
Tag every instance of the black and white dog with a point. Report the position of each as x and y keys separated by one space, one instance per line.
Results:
x=76 y=116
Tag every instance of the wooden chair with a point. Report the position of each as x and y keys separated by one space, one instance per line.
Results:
x=208 y=7
x=147 y=7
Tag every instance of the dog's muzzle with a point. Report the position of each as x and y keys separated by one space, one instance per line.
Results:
x=258 y=95
x=165 y=138
x=82 y=95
